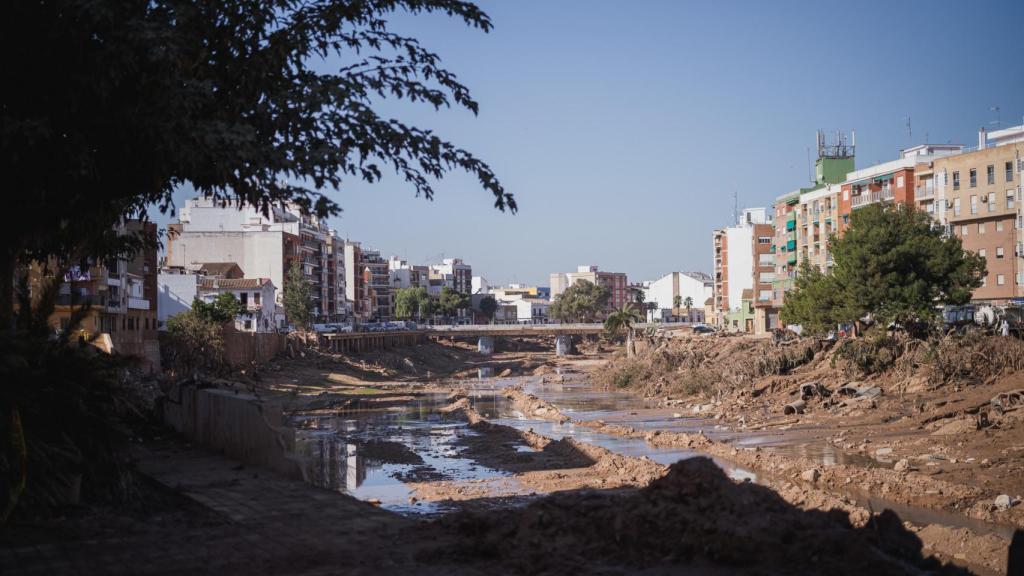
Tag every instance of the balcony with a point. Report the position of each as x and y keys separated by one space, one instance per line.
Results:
x=872 y=197
x=924 y=192
x=138 y=303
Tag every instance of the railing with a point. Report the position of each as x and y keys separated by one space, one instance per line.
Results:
x=872 y=197
x=138 y=303
x=923 y=192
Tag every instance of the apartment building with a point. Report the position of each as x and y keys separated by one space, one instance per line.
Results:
x=742 y=266
x=405 y=275
x=264 y=246
x=453 y=273
x=978 y=198
x=121 y=297
x=368 y=283
x=615 y=282
x=177 y=288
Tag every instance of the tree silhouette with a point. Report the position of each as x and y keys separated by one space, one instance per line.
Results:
x=623 y=319
x=112 y=105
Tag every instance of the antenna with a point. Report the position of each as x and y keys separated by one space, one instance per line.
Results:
x=910 y=131
x=735 y=207
x=997 y=120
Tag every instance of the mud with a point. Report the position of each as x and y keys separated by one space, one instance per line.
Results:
x=693 y=518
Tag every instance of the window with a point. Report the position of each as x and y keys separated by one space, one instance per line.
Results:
x=999 y=226
x=256 y=298
x=956 y=180
x=974 y=204
x=899 y=181
x=992 y=204
x=974 y=177
x=963 y=230
x=981 y=227
x=1020 y=278
x=982 y=253
x=990 y=174
x=956 y=207
x=1010 y=200
x=1000 y=279
x=1009 y=171
x=248 y=324
x=243 y=297
x=999 y=252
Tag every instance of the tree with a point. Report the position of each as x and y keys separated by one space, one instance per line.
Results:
x=451 y=301
x=412 y=302
x=581 y=302
x=688 y=302
x=112 y=105
x=677 y=301
x=224 y=308
x=892 y=263
x=298 y=297
x=488 y=306
x=815 y=303
x=623 y=319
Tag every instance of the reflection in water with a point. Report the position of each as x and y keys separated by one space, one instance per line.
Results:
x=485 y=372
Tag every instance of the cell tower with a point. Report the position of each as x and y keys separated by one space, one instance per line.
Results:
x=838 y=148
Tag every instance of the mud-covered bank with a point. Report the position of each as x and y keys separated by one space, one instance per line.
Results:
x=808 y=485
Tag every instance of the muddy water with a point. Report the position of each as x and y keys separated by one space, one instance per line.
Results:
x=340 y=453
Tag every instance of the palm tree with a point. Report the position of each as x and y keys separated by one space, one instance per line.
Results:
x=677 y=303
x=623 y=319
x=689 y=304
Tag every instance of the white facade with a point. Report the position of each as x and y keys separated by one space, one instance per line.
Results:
x=480 y=285
x=257 y=295
x=175 y=293
x=663 y=291
x=741 y=262
x=262 y=245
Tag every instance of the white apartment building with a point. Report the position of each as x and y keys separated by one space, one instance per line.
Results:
x=454 y=273
x=176 y=291
x=264 y=246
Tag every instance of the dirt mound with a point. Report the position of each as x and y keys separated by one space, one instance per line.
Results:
x=530 y=405
x=694 y=516
x=704 y=365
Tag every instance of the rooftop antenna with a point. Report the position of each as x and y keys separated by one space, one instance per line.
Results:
x=735 y=207
x=997 y=121
x=910 y=131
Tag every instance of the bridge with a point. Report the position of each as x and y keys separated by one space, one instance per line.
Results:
x=485 y=333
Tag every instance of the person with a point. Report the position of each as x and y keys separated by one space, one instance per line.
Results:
x=1004 y=328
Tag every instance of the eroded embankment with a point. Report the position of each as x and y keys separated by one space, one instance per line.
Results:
x=807 y=485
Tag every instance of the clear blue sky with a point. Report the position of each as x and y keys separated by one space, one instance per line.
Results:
x=624 y=128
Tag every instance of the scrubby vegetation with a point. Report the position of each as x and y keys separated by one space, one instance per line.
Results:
x=703 y=366
x=65 y=410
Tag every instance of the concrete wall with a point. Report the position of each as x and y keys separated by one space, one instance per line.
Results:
x=740 y=263
x=237 y=425
x=175 y=293
x=243 y=348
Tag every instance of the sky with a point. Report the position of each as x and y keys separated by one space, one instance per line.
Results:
x=625 y=129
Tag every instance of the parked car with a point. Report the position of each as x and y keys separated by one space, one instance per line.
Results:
x=702 y=329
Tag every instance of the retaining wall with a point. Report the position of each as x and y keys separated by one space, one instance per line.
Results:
x=240 y=426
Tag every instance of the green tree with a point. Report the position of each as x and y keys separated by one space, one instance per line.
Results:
x=451 y=301
x=892 y=263
x=815 y=302
x=118 y=104
x=623 y=319
x=412 y=302
x=224 y=308
x=488 y=306
x=688 y=302
x=298 y=297
x=677 y=301
x=581 y=302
